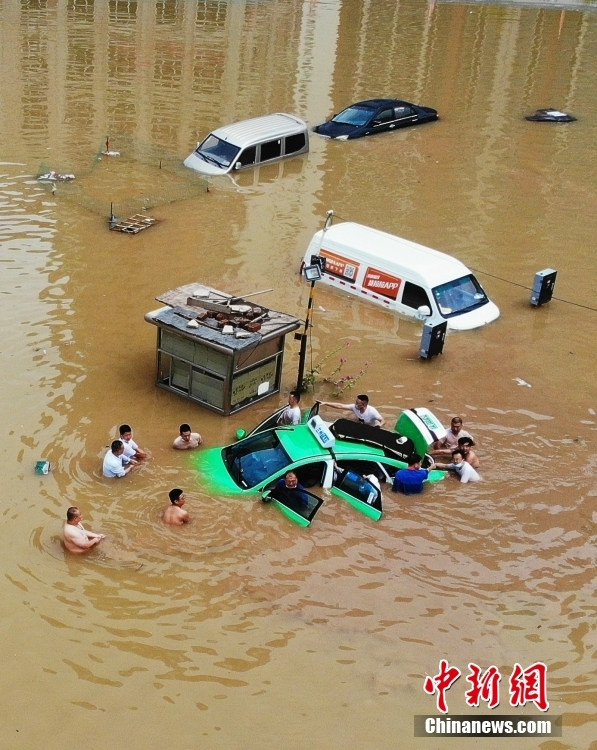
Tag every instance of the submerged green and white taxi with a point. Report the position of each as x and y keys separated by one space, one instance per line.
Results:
x=338 y=457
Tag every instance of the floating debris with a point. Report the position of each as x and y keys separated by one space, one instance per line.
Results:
x=42 y=467
x=108 y=152
x=520 y=381
x=550 y=115
x=133 y=224
x=55 y=177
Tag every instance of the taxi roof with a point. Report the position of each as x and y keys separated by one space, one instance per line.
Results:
x=300 y=443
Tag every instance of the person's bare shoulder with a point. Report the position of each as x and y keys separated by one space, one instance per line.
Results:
x=175 y=516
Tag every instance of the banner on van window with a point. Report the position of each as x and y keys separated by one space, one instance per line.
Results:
x=381 y=283
x=339 y=266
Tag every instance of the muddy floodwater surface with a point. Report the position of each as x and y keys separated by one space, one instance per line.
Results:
x=242 y=630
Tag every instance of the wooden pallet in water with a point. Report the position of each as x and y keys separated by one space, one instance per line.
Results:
x=133 y=224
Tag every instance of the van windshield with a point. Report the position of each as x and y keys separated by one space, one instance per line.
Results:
x=459 y=296
x=216 y=151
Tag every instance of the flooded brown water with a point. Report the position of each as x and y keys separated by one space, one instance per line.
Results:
x=243 y=630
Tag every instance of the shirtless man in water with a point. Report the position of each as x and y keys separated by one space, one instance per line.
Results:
x=465 y=444
x=175 y=514
x=76 y=537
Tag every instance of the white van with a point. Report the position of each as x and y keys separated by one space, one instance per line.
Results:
x=249 y=143
x=400 y=275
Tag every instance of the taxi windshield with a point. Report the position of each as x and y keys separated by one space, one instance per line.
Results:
x=255 y=459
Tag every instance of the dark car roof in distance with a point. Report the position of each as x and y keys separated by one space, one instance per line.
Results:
x=375 y=103
x=348 y=123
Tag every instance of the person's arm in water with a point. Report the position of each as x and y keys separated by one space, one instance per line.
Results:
x=92 y=535
x=444 y=467
x=76 y=538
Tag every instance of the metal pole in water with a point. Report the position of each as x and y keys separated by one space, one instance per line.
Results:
x=303 y=337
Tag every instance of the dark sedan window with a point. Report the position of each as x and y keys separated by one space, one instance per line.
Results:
x=403 y=112
x=387 y=115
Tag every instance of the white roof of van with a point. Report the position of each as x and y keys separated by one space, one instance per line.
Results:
x=383 y=249
x=258 y=129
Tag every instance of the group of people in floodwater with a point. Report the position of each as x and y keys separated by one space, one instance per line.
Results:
x=125 y=454
x=456 y=445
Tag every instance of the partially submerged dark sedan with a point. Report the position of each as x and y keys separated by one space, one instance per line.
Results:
x=374 y=116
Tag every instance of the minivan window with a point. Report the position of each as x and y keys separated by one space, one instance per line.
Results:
x=217 y=151
x=414 y=296
x=248 y=157
x=458 y=296
x=271 y=150
x=295 y=143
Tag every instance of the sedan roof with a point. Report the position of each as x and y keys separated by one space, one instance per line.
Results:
x=375 y=103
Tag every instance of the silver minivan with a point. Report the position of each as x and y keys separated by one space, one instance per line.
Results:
x=249 y=143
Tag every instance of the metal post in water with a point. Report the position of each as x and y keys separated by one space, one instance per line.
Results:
x=303 y=337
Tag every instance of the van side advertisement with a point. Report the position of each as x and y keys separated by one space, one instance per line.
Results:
x=339 y=266
x=381 y=283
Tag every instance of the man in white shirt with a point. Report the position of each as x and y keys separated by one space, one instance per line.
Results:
x=131 y=449
x=362 y=410
x=292 y=413
x=116 y=464
x=460 y=467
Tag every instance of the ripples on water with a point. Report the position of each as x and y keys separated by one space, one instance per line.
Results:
x=481 y=568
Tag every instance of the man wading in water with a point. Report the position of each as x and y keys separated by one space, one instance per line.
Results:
x=76 y=537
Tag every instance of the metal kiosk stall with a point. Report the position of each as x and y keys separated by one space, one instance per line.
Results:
x=217 y=349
